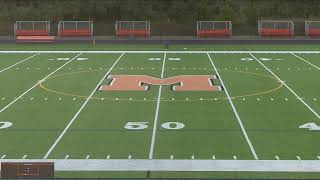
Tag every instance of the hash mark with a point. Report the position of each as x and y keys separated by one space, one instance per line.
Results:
x=277 y=157
x=24 y=156
x=298 y=157
x=235 y=157
x=3 y=156
x=66 y=157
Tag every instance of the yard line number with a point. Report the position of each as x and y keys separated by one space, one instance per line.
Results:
x=310 y=126
x=4 y=125
x=144 y=125
x=67 y=59
x=261 y=59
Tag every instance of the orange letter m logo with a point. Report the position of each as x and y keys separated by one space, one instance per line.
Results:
x=178 y=83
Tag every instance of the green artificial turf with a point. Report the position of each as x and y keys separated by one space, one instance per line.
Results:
x=270 y=113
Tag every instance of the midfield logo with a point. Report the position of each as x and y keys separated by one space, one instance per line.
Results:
x=178 y=83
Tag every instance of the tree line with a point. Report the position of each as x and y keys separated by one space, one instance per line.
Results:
x=174 y=11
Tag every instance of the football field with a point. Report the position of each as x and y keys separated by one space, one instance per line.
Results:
x=174 y=105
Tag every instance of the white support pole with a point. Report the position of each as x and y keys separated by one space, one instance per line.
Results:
x=48 y=26
x=59 y=26
x=91 y=23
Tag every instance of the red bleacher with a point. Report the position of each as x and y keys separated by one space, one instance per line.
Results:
x=75 y=32
x=32 y=33
x=313 y=32
x=214 y=33
x=276 y=32
x=129 y=32
x=33 y=36
x=30 y=39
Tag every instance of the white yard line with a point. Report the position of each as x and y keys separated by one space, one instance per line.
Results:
x=305 y=61
x=81 y=108
x=295 y=94
x=155 y=122
x=168 y=52
x=235 y=111
x=35 y=85
x=18 y=62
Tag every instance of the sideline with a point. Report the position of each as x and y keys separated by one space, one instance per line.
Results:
x=179 y=165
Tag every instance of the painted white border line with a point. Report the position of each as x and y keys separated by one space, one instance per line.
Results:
x=235 y=111
x=12 y=102
x=305 y=61
x=179 y=165
x=168 y=52
x=81 y=108
x=19 y=62
x=295 y=94
x=155 y=122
